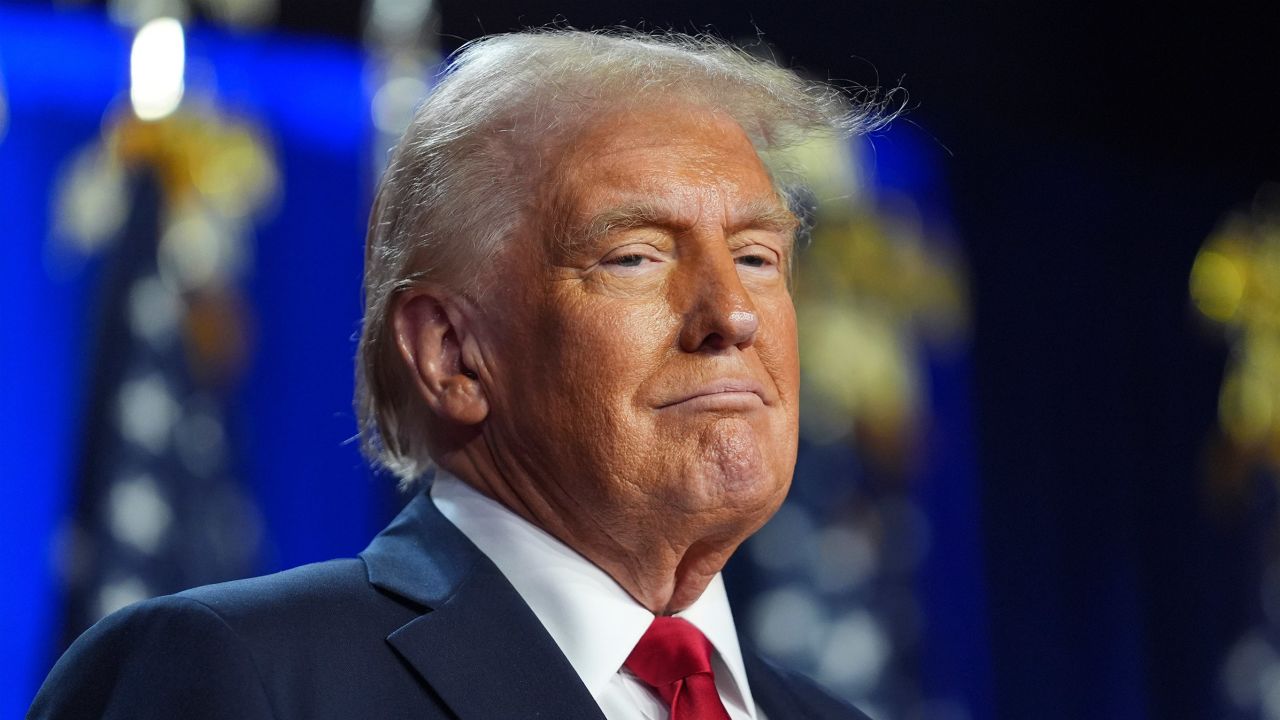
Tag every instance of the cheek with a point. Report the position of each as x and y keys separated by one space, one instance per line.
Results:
x=598 y=357
x=778 y=345
x=607 y=349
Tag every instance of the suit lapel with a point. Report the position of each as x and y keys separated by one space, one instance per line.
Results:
x=767 y=687
x=487 y=656
x=477 y=644
x=781 y=695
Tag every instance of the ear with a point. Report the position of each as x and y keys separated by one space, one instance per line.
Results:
x=430 y=336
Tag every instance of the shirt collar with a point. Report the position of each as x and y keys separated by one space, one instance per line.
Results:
x=588 y=614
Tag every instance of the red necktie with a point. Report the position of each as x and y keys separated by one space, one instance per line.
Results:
x=674 y=658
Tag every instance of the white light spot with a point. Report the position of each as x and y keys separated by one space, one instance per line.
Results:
x=121 y=594
x=93 y=201
x=393 y=104
x=138 y=515
x=153 y=310
x=845 y=559
x=855 y=653
x=399 y=16
x=198 y=250
x=147 y=412
x=156 y=66
x=1244 y=668
x=787 y=622
x=135 y=13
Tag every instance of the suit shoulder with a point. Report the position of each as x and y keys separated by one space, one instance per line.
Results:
x=290 y=590
x=165 y=657
x=296 y=608
x=277 y=640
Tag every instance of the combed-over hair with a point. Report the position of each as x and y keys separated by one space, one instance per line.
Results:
x=462 y=178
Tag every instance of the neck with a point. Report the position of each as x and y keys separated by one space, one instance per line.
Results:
x=663 y=564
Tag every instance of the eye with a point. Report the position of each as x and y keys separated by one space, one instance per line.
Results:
x=627 y=260
x=632 y=261
x=757 y=258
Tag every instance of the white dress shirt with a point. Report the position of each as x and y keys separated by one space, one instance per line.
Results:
x=588 y=614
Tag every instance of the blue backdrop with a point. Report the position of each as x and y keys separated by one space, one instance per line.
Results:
x=61 y=70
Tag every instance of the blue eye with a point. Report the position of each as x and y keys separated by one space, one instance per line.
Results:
x=628 y=260
x=753 y=261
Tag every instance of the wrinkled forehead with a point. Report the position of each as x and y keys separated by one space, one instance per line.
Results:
x=682 y=164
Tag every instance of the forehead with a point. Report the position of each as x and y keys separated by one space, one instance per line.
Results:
x=686 y=162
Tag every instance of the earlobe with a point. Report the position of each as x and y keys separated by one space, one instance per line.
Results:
x=463 y=401
x=430 y=340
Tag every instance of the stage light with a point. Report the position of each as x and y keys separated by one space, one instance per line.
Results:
x=156 y=66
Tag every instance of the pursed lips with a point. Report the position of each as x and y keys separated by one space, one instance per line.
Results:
x=722 y=393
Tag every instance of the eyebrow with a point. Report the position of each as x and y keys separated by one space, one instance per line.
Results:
x=761 y=214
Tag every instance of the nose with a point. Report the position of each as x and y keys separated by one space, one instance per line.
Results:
x=720 y=313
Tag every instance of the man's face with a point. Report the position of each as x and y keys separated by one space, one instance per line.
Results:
x=642 y=344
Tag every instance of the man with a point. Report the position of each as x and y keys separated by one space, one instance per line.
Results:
x=578 y=313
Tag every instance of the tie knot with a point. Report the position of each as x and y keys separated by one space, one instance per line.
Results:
x=672 y=649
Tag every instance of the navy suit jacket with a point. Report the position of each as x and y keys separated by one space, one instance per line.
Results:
x=421 y=625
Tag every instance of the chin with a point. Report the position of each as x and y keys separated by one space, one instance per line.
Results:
x=741 y=470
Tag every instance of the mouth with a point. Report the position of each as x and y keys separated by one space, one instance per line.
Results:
x=722 y=394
